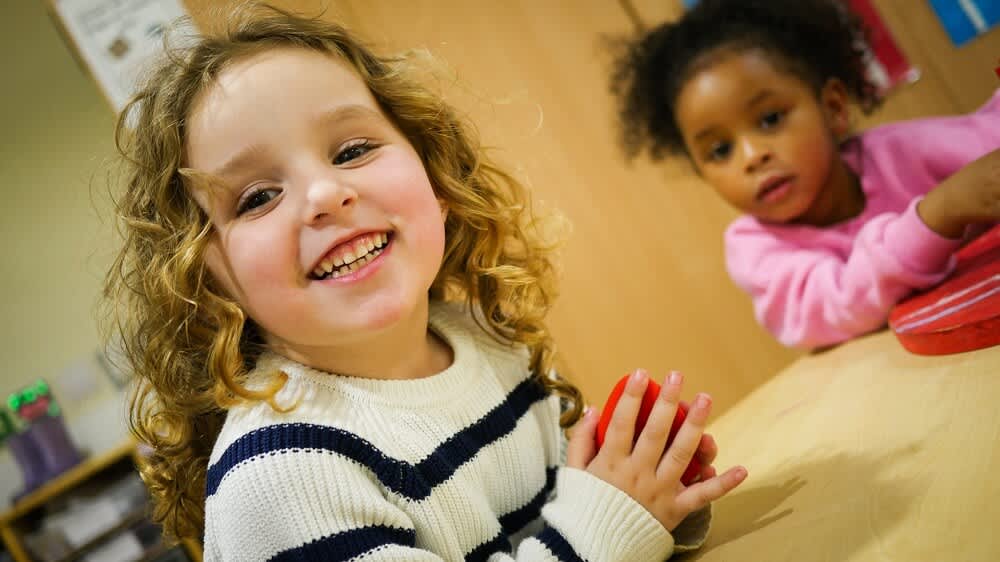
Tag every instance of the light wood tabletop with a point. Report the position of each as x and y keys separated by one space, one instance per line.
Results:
x=864 y=453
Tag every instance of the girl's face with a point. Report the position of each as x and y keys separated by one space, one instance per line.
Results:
x=327 y=229
x=761 y=136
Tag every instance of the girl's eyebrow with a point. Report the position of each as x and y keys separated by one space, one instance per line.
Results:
x=759 y=97
x=349 y=112
x=250 y=154
x=705 y=132
x=756 y=99
x=242 y=159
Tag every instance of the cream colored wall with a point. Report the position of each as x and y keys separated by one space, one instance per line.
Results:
x=56 y=131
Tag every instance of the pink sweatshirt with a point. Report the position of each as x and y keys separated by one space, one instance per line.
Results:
x=818 y=286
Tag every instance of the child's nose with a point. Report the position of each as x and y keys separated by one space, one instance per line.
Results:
x=755 y=154
x=326 y=198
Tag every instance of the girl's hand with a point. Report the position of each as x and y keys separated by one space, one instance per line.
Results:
x=645 y=472
x=706 y=453
x=971 y=195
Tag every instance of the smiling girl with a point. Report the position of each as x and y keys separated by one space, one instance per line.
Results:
x=334 y=308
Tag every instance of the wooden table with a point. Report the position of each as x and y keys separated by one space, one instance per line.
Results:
x=864 y=453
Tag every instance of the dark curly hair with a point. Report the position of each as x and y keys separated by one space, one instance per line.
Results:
x=813 y=39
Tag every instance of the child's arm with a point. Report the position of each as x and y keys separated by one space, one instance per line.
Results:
x=309 y=504
x=969 y=197
x=810 y=297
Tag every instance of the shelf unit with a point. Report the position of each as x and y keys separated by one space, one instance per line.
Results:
x=15 y=522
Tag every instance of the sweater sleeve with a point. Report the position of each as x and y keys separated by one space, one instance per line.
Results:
x=810 y=297
x=303 y=505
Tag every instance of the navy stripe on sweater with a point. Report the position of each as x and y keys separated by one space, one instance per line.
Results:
x=518 y=519
x=515 y=521
x=411 y=481
x=348 y=544
x=559 y=546
x=481 y=553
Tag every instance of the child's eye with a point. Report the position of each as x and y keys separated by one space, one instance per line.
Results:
x=771 y=119
x=257 y=198
x=719 y=151
x=353 y=152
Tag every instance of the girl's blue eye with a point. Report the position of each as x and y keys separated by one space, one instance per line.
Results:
x=771 y=119
x=352 y=152
x=719 y=151
x=256 y=199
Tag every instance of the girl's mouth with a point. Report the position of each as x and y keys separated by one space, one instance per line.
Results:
x=774 y=189
x=357 y=255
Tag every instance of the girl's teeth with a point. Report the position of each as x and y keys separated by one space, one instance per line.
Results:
x=360 y=254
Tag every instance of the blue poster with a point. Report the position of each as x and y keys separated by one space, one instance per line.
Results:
x=965 y=19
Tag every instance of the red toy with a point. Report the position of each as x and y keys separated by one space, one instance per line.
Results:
x=960 y=314
x=648 y=400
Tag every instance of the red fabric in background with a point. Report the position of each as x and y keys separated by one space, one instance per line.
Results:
x=895 y=67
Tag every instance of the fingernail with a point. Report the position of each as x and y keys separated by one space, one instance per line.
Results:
x=588 y=412
x=676 y=378
x=702 y=401
x=741 y=472
x=639 y=376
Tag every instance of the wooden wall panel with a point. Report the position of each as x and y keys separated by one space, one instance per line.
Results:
x=644 y=283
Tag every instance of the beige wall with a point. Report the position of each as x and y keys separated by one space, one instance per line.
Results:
x=56 y=134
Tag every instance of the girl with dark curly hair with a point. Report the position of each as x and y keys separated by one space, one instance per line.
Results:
x=333 y=306
x=837 y=227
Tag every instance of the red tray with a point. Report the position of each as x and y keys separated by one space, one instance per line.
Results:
x=960 y=314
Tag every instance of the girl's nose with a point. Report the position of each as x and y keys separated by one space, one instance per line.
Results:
x=326 y=199
x=755 y=154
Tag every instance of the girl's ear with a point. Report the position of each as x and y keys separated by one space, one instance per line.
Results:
x=836 y=105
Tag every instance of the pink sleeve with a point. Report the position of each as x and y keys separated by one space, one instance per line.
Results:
x=939 y=146
x=809 y=296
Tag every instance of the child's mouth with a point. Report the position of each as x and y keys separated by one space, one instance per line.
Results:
x=774 y=189
x=356 y=256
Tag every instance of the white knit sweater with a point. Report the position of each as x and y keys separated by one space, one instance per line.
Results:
x=462 y=465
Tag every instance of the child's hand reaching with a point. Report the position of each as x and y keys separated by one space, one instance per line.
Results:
x=644 y=471
x=970 y=196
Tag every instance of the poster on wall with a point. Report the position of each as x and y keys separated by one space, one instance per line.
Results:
x=888 y=66
x=966 y=19
x=113 y=38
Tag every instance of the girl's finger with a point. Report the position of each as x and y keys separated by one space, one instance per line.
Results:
x=707 y=473
x=707 y=450
x=621 y=429
x=653 y=439
x=683 y=448
x=701 y=494
x=582 y=447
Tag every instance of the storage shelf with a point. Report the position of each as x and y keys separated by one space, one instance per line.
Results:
x=15 y=521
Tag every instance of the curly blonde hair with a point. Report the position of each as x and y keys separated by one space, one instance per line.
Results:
x=188 y=345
